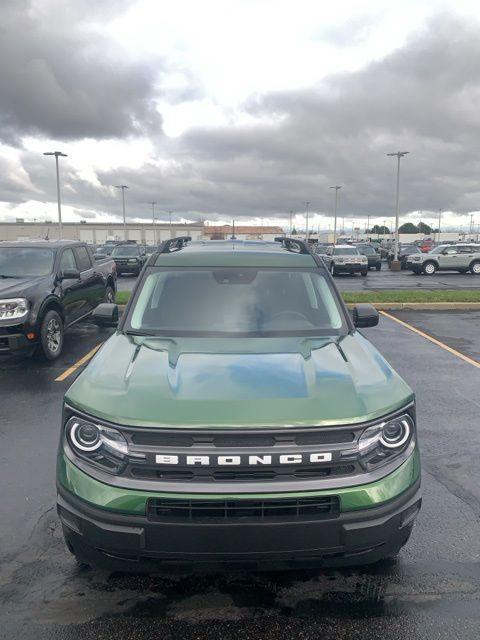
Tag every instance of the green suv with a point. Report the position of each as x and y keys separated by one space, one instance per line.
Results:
x=447 y=257
x=237 y=414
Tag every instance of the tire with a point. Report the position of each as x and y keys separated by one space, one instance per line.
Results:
x=429 y=268
x=51 y=336
x=378 y=266
x=364 y=273
x=109 y=295
x=475 y=268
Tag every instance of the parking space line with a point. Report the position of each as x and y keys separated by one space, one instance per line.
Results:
x=454 y=352
x=79 y=363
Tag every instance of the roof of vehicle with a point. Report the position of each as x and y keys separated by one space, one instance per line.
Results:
x=232 y=253
x=41 y=244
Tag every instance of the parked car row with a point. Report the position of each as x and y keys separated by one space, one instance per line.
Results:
x=461 y=257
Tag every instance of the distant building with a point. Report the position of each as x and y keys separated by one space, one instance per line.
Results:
x=99 y=232
x=225 y=232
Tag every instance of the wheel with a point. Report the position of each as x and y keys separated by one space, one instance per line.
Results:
x=51 y=336
x=429 y=268
x=475 y=268
x=364 y=273
x=332 y=269
x=109 y=295
x=378 y=266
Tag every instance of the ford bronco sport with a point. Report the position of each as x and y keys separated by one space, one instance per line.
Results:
x=237 y=414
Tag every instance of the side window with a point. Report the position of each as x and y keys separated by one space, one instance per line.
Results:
x=67 y=261
x=83 y=259
x=329 y=251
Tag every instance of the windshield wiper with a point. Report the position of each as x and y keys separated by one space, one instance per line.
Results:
x=129 y=332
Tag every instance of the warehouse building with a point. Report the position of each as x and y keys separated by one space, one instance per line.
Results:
x=226 y=231
x=97 y=233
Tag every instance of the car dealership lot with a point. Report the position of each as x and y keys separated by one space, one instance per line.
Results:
x=433 y=591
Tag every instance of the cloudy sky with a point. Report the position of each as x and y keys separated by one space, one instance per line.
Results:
x=240 y=109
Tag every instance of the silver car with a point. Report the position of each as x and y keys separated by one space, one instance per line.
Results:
x=343 y=258
x=447 y=257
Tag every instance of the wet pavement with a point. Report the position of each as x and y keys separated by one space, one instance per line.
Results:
x=432 y=591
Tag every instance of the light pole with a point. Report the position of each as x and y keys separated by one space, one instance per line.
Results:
x=58 y=154
x=337 y=187
x=291 y=214
x=439 y=224
x=398 y=155
x=123 y=187
x=153 y=222
x=307 y=204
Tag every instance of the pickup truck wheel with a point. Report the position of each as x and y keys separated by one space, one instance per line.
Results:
x=475 y=268
x=364 y=272
x=51 y=336
x=429 y=268
x=378 y=266
x=109 y=295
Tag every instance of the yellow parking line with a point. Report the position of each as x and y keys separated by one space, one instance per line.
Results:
x=74 y=367
x=434 y=340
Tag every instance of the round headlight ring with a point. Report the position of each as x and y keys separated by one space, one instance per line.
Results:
x=85 y=436
x=390 y=439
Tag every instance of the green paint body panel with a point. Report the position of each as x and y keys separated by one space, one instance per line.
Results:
x=238 y=382
x=133 y=502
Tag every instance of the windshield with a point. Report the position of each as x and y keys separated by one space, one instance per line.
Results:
x=21 y=262
x=366 y=249
x=346 y=251
x=439 y=249
x=236 y=301
x=125 y=250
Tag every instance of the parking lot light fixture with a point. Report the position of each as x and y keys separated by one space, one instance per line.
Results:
x=336 y=187
x=307 y=204
x=57 y=155
x=439 y=224
x=123 y=187
x=398 y=155
x=153 y=222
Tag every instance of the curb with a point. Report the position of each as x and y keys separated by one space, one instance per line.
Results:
x=422 y=306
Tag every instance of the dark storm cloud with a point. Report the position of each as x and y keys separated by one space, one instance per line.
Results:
x=423 y=97
x=62 y=78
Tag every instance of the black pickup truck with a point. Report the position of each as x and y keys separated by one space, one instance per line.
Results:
x=46 y=286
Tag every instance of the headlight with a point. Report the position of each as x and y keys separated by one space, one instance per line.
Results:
x=14 y=309
x=380 y=443
x=100 y=445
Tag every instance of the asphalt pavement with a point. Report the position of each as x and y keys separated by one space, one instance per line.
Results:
x=381 y=280
x=432 y=591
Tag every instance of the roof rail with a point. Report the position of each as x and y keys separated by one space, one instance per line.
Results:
x=294 y=245
x=174 y=244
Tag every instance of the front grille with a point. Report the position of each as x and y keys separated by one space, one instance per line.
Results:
x=245 y=474
x=146 y=444
x=244 y=440
x=249 y=510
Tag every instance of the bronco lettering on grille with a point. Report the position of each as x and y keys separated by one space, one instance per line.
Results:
x=237 y=461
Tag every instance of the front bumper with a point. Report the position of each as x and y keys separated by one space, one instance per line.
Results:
x=351 y=268
x=14 y=341
x=364 y=530
x=128 y=268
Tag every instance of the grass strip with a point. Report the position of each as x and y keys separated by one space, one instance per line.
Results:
x=406 y=295
x=413 y=295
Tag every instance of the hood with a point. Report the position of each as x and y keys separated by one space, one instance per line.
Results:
x=261 y=382
x=16 y=287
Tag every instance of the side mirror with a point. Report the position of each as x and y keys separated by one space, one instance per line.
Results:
x=105 y=315
x=70 y=274
x=365 y=315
